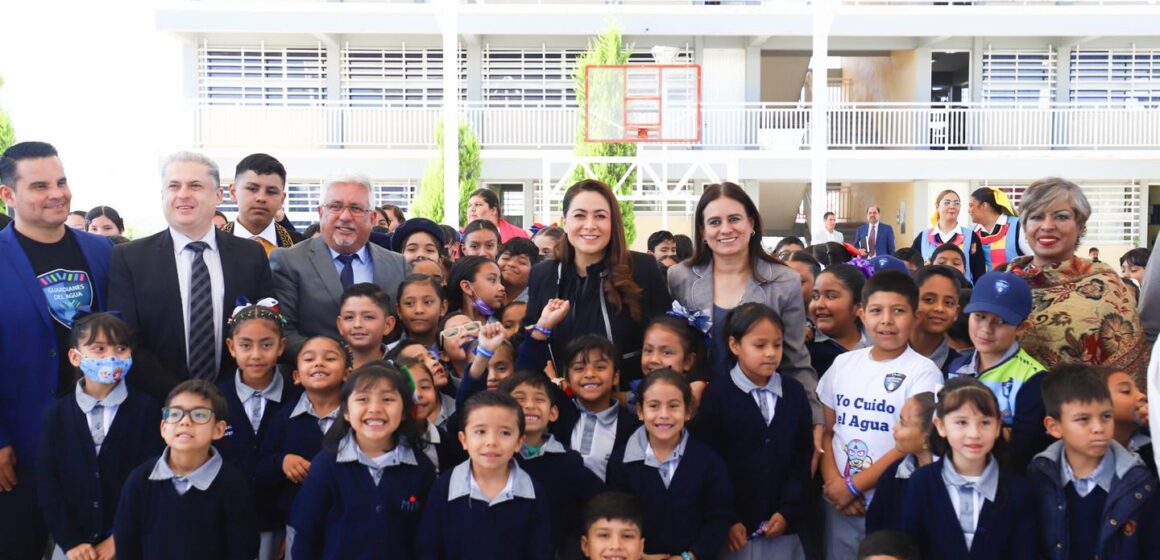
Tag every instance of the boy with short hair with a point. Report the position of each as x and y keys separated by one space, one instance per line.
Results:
x=612 y=528
x=997 y=315
x=364 y=319
x=516 y=259
x=567 y=484
x=662 y=244
x=888 y=545
x=862 y=396
x=938 y=308
x=487 y=507
x=1130 y=413
x=1095 y=498
x=188 y=503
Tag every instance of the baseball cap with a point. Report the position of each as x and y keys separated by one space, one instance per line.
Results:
x=1003 y=294
x=889 y=262
x=415 y=225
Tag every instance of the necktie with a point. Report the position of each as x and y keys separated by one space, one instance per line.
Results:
x=873 y=239
x=97 y=424
x=266 y=245
x=324 y=424
x=202 y=357
x=588 y=433
x=967 y=509
x=763 y=399
x=347 y=274
x=256 y=410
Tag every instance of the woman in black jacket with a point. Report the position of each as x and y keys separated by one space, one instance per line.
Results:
x=613 y=291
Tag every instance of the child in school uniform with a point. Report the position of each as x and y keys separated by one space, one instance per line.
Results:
x=364 y=319
x=421 y=304
x=188 y=503
x=438 y=445
x=612 y=528
x=1095 y=498
x=1130 y=412
x=862 y=395
x=938 y=308
x=998 y=311
x=488 y=507
x=964 y=505
x=593 y=422
x=366 y=490
x=92 y=440
x=681 y=483
x=675 y=341
x=442 y=405
x=759 y=422
x=912 y=437
x=567 y=484
x=255 y=395
x=834 y=303
x=296 y=431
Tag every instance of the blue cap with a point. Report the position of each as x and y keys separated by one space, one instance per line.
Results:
x=415 y=225
x=1003 y=294
x=889 y=262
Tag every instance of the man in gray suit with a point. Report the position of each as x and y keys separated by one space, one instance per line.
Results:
x=309 y=278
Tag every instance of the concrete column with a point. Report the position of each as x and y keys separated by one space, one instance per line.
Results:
x=475 y=70
x=819 y=128
x=977 y=48
x=922 y=69
x=1063 y=73
x=753 y=74
x=449 y=25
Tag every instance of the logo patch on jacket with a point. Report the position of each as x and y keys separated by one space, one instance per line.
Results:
x=893 y=381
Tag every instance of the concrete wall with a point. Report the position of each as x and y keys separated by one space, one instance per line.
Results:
x=778 y=204
x=782 y=77
x=889 y=197
x=884 y=78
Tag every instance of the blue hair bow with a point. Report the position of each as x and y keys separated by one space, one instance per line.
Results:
x=699 y=320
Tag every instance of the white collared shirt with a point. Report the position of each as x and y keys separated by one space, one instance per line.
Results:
x=984 y=488
x=109 y=406
x=269 y=234
x=829 y=236
x=217 y=283
x=272 y=392
x=603 y=438
x=364 y=270
x=201 y=478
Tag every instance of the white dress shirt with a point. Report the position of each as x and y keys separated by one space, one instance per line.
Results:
x=269 y=234
x=217 y=282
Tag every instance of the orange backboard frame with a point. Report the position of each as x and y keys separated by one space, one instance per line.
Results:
x=644 y=131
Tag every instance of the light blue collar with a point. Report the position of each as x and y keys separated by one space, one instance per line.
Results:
x=350 y=452
x=550 y=446
x=1102 y=476
x=362 y=256
x=988 y=484
x=272 y=392
x=519 y=485
x=606 y=417
x=864 y=342
x=638 y=449
x=114 y=398
x=743 y=383
x=304 y=406
x=201 y=478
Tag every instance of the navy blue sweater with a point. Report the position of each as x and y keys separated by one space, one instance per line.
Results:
x=693 y=514
x=626 y=423
x=287 y=436
x=241 y=446
x=1006 y=528
x=1127 y=522
x=568 y=485
x=342 y=514
x=79 y=490
x=885 y=511
x=768 y=465
x=154 y=521
x=470 y=529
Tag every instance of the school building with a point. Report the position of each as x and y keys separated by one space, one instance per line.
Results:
x=917 y=97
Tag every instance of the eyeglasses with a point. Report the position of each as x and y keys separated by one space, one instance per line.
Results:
x=949 y=202
x=335 y=208
x=783 y=255
x=469 y=329
x=174 y=414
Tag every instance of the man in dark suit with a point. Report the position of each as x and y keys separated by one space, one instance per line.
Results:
x=47 y=272
x=177 y=288
x=309 y=278
x=259 y=188
x=874 y=238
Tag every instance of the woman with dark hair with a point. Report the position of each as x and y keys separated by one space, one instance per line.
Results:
x=613 y=292
x=728 y=268
x=105 y=221
x=997 y=225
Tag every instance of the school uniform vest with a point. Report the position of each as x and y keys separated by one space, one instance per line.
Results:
x=1003 y=246
x=929 y=244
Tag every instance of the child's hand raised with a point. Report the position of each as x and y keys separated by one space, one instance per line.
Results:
x=296 y=468
x=491 y=336
x=554 y=313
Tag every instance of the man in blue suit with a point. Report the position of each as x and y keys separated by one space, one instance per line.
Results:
x=47 y=272
x=874 y=238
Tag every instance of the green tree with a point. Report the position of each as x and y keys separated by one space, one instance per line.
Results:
x=608 y=48
x=7 y=137
x=429 y=202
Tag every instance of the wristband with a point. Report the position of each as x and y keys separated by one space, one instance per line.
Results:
x=852 y=488
x=542 y=330
x=686 y=556
x=483 y=352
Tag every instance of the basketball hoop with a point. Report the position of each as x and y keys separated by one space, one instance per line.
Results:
x=643 y=102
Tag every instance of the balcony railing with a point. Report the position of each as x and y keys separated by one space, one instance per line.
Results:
x=756 y=126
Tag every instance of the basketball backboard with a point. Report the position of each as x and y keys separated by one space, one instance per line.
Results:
x=643 y=103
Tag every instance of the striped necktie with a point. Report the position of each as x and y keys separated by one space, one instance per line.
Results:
x=202 y=359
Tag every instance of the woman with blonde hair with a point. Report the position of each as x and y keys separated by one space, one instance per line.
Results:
x=945 y=229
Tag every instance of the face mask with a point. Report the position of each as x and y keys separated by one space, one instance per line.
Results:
x=482 y=308
x=107 y=370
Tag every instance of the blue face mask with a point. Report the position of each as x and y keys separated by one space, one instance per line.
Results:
x=107 y=370
x=482 y=308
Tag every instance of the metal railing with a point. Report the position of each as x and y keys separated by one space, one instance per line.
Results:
x=753 y=126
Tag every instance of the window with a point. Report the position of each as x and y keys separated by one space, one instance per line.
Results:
x=404 y=75
x=261 y=74
x=1019 y=76
x=1116 y=212
x=540 y=74
x=1115 y=76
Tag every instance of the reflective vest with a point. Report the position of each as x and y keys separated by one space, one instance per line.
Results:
x=1006 y=379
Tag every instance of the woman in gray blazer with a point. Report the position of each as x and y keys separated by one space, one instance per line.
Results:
x=728 y=268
